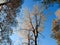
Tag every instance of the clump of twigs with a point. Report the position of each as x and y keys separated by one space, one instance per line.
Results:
x=14 y=4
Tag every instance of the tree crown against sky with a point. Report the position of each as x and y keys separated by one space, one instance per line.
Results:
x=8 y=20
x=32 y=20
x=48 y=3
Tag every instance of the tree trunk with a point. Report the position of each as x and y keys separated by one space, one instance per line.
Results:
x=28 y=42
x=29 y=38
x=35 y=40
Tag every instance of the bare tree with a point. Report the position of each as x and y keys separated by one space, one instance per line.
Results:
x=33 y=21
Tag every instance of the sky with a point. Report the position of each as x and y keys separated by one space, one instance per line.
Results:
x=48 y=24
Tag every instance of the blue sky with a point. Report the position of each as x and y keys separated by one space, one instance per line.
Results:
x=48 y=24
